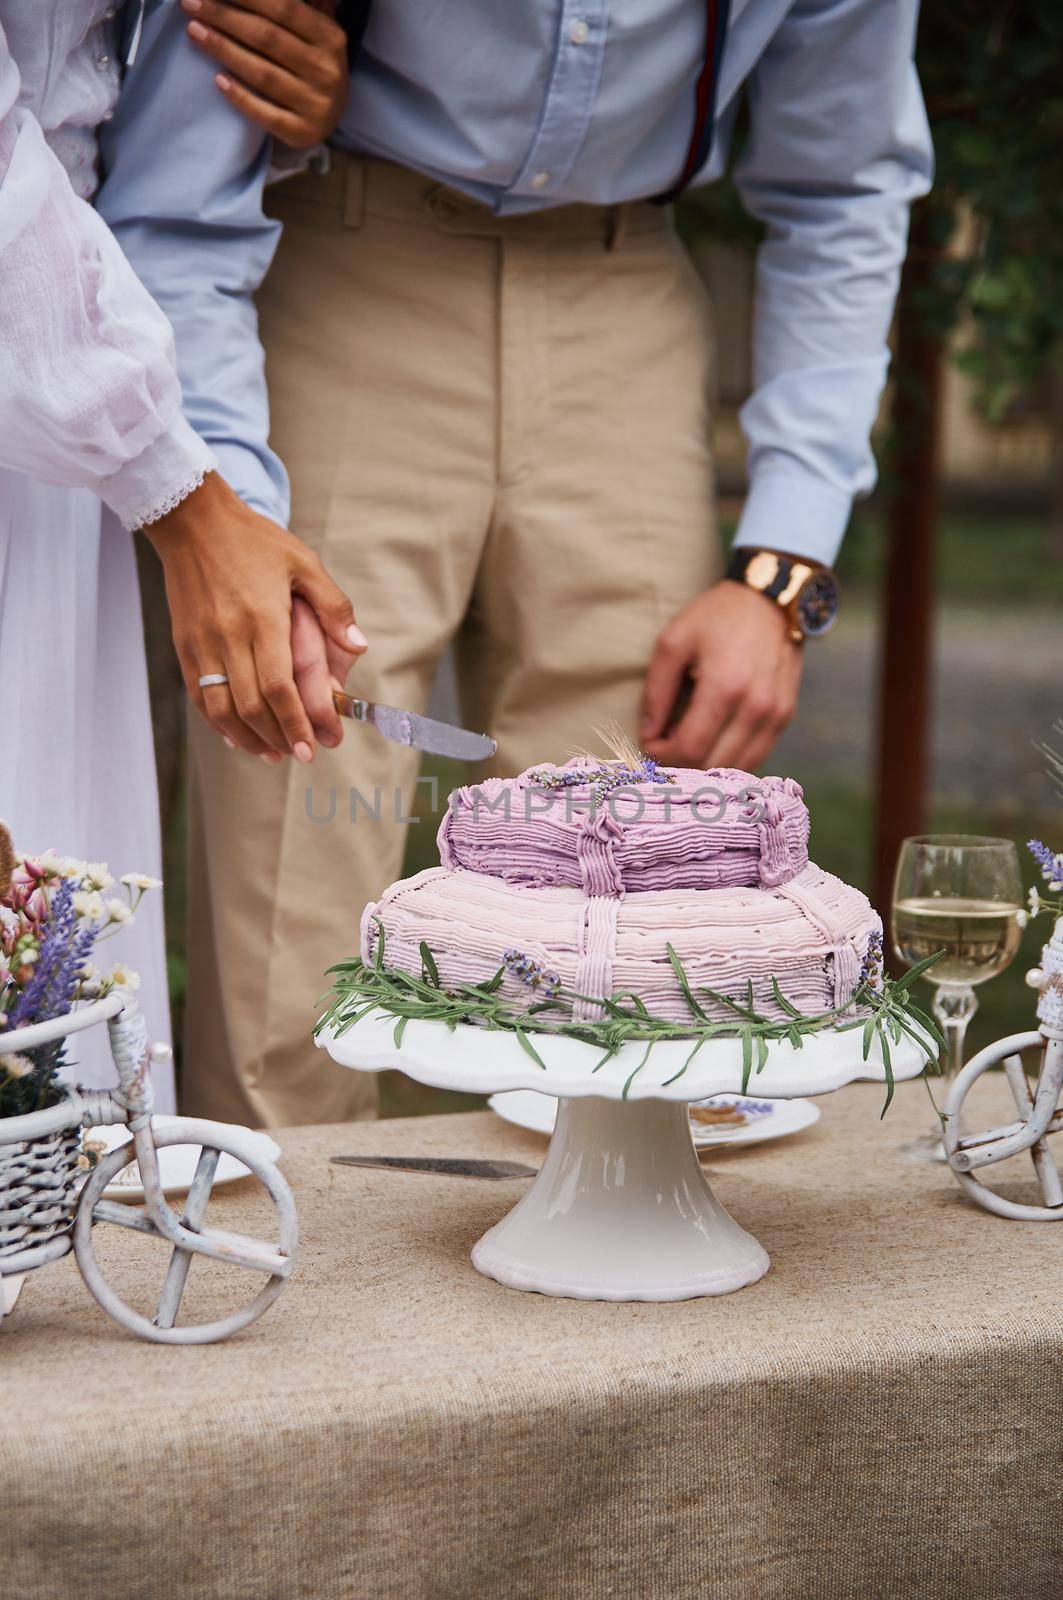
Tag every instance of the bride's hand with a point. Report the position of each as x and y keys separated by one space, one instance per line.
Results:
x=231 y=576
x=285 y=63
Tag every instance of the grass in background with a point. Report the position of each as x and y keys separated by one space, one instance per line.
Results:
x=1000 y=560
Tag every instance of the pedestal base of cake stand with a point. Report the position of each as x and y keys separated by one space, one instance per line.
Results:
x=621 y=1210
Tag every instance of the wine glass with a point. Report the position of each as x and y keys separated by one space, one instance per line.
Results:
x=958 y=893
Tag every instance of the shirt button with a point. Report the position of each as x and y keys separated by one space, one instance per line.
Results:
x=103 y=62
x=579 y=33
x=540 y=180
x=109 y=13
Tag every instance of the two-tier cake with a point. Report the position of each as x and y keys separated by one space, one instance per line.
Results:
x=625 y=939
x=586 y=880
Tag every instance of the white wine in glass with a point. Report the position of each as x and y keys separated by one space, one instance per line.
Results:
x=957 y=893
x=979 y=937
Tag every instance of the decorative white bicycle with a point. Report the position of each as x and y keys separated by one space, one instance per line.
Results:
x=48 y=1205
x=1039 y=1113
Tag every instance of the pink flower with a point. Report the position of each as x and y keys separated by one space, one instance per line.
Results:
x=36 y=906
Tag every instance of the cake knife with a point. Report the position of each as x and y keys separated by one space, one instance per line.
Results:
x=420 y=733
x=446 y=1166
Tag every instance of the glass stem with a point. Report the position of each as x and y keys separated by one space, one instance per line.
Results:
x=954 y=1006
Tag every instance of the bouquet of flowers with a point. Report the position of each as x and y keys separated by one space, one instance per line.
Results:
x=1049 y=862
x=53 y=912
x=1051 y=868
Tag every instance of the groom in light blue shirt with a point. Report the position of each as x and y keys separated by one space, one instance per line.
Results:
x=549 y=133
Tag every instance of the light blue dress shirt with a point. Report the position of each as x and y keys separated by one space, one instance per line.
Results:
x=544 y=102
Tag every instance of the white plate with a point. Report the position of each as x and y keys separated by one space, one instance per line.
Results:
x=765 y=1119
x=177 y=1163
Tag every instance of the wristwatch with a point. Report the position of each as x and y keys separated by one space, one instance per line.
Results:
x=805 y=590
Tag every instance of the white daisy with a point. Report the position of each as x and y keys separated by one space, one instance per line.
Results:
x=122 y=977
x=87 y=904
x=140 y=880
x=16 y=1066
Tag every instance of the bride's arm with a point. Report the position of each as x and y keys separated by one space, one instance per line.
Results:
x=183 y=176
x=89 y=394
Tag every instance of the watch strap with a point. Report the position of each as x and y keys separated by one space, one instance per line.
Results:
x=780 y=576
x=738 y=566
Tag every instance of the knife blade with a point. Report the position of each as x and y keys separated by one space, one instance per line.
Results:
x=420 y=733
x=445 y=1166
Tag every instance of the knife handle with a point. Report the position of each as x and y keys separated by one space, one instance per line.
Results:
x=348 y=706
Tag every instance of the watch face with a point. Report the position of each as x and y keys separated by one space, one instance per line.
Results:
x=817 y=605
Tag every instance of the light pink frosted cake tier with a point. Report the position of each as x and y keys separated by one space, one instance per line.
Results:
x=682 y=835
x=811 y=934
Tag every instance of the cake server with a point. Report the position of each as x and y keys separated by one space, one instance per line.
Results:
x=420 y=733
x=447 y=1166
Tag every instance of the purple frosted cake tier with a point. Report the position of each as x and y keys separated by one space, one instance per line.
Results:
x=810 y=934
x=699 y=830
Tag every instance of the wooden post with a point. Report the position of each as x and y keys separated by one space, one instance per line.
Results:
x=904 y=687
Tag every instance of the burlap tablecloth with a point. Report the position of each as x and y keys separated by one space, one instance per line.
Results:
x=880 y=1416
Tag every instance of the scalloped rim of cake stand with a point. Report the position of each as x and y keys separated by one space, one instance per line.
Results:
x=485 y=1060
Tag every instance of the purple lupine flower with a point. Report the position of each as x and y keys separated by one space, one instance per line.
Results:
x=1051 y=865
x=62 y=953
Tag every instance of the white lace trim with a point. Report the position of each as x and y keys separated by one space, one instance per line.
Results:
x=170 y=501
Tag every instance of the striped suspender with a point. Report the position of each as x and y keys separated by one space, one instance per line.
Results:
x=716 y=15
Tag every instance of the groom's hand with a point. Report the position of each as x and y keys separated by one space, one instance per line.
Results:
x=722 y=683
x=284 y=63
x=320 y=666
x=230 y=580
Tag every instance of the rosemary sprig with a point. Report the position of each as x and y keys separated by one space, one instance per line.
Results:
x=887 y=1013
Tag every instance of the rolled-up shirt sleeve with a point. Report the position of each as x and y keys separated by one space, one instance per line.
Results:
x=89 y=393
x=839 y=147
x=182 y=192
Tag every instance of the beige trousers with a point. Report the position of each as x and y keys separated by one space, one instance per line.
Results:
x=497 y=431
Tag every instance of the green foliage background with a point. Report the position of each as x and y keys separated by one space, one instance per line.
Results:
x=992 y=77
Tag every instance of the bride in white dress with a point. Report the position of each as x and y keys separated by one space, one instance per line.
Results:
x=91 y=406
x=90 y=412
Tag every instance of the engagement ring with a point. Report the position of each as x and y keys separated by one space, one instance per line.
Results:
x=209 y=679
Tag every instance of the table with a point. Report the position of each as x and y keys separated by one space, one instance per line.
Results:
x=880 y=1416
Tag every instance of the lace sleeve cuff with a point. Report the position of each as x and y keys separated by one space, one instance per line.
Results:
x=160 y=477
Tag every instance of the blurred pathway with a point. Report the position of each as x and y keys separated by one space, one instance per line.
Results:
x=998 y=688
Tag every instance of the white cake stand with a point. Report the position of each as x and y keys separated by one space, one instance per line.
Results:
x=621 y=1209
